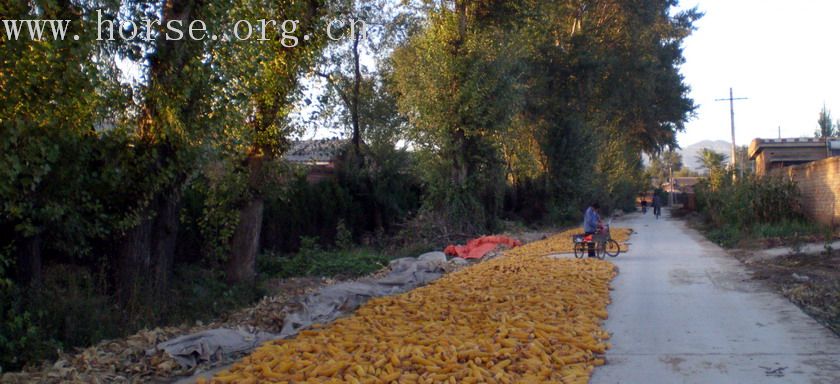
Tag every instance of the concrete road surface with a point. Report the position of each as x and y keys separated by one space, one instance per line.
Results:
x=684 y=312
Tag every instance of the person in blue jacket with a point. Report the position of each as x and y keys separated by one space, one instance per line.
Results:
x=591 y=222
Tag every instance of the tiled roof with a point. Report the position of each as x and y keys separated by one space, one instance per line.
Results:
x=319 y=150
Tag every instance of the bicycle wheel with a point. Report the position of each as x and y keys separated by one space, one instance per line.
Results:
x=612 y=248
x=600 y=250
x=580 y=250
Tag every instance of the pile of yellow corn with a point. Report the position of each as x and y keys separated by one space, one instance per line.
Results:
x=562 y=243
x=521 y=319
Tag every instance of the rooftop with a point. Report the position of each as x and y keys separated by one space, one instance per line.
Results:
x=758 y=145
x=315 y=151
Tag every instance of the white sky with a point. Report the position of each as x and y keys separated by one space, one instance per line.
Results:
x=782 y=55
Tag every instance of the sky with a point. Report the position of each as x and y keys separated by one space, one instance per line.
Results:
x=782 y=55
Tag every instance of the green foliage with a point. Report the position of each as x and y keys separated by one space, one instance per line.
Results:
x=790 y=232
x=620 y=172
x=751 y=207
x=663 y=165
x=310 y=210
x=727 y=236
x=71 y=310
x=382 y=182
x=223 y=190
x=749 y=201
x=713 y=162
x=786 y=229
x=343 y=236
x=686 y=172
x=49 y=161
x=457 y=85
x=202 y=294
x=68 y=310
x=370 y=199
x=21 y=340
x=826 y=127
x=313 y=260
x=74 y=308
x=598 y=94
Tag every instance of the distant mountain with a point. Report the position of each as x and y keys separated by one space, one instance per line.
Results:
x=689 y=153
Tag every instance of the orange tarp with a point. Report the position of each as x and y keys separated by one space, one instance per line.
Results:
x=477 y=248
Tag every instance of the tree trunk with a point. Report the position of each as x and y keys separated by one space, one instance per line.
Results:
x=29 y=261
x=133 y=258
x=461 y=10
x=459 y=160
x=164 y=236
x=357 y=81
x=146 y=253
x=245 y=243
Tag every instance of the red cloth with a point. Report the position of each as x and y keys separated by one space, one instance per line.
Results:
x=477 y=248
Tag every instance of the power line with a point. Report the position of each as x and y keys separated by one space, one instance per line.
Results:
x=731 y=100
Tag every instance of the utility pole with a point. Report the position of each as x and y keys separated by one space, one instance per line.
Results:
x=671 y=188
x=731 y=100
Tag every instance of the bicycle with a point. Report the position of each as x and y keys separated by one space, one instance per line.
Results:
x=602 y=241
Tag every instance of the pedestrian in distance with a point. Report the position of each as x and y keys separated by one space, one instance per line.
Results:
x=657 y=206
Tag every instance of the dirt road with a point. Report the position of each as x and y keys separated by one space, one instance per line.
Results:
x=685 y=312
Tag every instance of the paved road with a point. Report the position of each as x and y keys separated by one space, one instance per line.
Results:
x=685 y=312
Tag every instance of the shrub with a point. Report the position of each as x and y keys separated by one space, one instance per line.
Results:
x=763 y=207
x=786 y=228
x=726 y=236
x=73 y=307
x=749 y=201
x=68 y=310
x=21 y=340
x=313 y=260
x=202 y=294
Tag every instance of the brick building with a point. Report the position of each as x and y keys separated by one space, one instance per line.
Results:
x=771 y=154
x=813 y=163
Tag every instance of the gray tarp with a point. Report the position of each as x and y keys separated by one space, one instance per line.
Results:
x=212 y=345
x=321 y=307
x=331 y=302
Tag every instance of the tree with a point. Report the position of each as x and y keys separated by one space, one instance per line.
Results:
x=597 y=75
x=53 y=98
x=175 y=99
x=743 y=160
x=712 y=161
x=372 y=29
x=825 y=127
x=456 y=82
x=257 y=129
x=663 y=164
x=359 y=99
x=673 y=160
